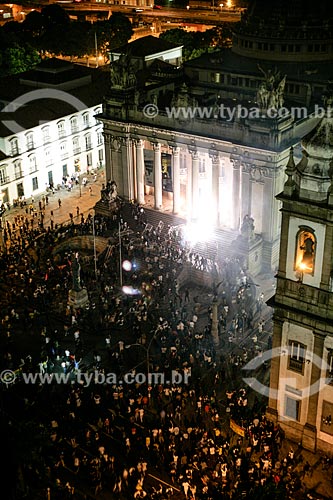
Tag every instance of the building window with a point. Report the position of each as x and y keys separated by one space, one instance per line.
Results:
x=89 y=160
x=217 y=78
x=292 y=408
x=30 y=141
x=86 y=120
x=61 y=129
x=46 y=134
x=33 y=163
x=88 y=142
x=63 y=151
x=3 y=175
x=99 y=138
x=327 y=418
x=296 y=356
x=18 y=169
x=76 y=145
x=100 y=155
x=305 y=251
x=34 y=183
x=74 y=125
x=14 y=148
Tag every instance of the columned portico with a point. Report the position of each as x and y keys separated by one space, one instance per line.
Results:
x=176 y=179
x=215 y=187
x=157 y=176
x=195 y=185
x=108 y=159
x=236 y=190
x=140 y=172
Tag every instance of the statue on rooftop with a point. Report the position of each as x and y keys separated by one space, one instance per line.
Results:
x=122 y=72
x=270 y=94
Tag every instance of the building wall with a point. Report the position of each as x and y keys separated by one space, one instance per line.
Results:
x=47 y=152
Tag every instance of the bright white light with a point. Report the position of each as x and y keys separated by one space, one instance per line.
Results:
x=196 y=231
x=129 y=290
x=127 y=265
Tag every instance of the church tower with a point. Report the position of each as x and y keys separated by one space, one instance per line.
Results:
x=301 y=384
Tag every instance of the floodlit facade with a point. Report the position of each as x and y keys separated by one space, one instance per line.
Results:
x=48 y=127
x=301 y=389
x=191 y=137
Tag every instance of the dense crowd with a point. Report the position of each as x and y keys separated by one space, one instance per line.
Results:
x=120 y=437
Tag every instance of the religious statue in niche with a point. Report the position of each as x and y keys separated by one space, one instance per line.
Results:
x=122 y=73
x=306 y=247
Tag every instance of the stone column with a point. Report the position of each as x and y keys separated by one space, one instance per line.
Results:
x=189 y=188
x=157 y=176
x=236 y=187
x=246 y=191
x=195 y=185
x=272 y=409
x=127 y=167
x=176 y=179
x=108 y=158
x=215 y=187
x=309 y=439
x=140 y=172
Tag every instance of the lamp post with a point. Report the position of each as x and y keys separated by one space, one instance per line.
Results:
x=221 y=5
x=94 y=243
x=120 y=258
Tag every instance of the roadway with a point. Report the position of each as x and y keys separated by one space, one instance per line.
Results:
x=207 y=17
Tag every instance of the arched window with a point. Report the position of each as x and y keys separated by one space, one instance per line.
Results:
x=306 y=243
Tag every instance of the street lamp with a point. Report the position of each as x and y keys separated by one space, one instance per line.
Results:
x=94 y=242
x=221 y=5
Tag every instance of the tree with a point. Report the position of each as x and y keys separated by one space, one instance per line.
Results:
x=34 y=24
x=54 y=15
x=113 y=33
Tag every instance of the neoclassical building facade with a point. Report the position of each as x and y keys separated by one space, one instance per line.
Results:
x=201 y=139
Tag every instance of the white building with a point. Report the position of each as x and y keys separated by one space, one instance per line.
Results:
x=48 y=129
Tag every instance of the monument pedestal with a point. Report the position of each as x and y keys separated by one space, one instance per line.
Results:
x=78 y=298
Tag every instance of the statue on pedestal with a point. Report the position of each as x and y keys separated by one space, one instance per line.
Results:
x=76 y=278
x=247 y=228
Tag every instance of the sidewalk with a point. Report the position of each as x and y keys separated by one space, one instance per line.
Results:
x=79 y=196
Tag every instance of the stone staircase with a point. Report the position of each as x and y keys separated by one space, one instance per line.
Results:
x=217 y=247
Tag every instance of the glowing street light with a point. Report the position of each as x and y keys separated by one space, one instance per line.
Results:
x=221 y=5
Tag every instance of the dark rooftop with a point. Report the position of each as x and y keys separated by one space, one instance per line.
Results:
x=146 y=46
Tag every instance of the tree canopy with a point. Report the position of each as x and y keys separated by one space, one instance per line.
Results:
x=196 y=43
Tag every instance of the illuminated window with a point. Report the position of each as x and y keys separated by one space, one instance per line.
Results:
x=296 y=356
x=305 y=250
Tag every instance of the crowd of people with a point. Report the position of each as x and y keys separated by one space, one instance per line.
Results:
x=141 y=439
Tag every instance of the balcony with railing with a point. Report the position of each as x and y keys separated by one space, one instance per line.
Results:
x=15 y=151
x=64 y=156
x=4 y=179
x=77 y=150
x=30 y=145
x=61 y=134
x=18 y=174
x=297 y=365
x=74 y=129
x=88 y=146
